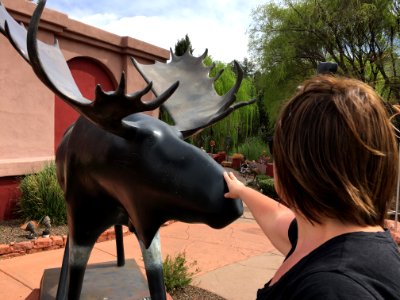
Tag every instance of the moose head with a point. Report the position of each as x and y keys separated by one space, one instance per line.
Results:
x=119 y=166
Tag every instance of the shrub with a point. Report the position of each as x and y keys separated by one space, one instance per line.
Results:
x=42 y=196
x=266 y=185
x=253 y=148
x=262 y=177
x=176 y=272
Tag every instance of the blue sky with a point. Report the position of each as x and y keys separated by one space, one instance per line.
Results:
x=219 y=25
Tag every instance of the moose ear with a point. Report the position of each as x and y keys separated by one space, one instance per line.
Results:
x=144 y=125
x=131 y=124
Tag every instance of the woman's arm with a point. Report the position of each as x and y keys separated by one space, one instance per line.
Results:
x=273 y=217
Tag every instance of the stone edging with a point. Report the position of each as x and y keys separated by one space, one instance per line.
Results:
x=50 y=243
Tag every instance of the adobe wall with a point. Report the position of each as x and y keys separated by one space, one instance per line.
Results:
x=27 y=106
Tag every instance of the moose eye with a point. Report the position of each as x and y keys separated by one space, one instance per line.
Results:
x=150 y=141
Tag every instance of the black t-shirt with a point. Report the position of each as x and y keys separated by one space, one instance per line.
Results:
x=358 y=265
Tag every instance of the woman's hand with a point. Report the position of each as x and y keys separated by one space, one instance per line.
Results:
x=235 y=186
x=274 y=218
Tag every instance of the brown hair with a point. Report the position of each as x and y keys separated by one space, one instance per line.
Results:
x=335 y=152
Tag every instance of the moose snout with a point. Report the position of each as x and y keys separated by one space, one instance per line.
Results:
x=226 y=210
x=217 y=210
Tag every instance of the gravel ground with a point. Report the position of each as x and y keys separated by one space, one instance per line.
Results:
x=194 y=293
x=11 y=231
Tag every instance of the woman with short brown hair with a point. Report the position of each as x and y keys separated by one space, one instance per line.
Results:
x=335 y=159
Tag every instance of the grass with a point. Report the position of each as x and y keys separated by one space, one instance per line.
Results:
x=253 y=148
x=177 y=274
x=42 y=196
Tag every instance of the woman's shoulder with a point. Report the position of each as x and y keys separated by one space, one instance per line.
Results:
x=366 y=250
x=356 y=263
x=365 y=244
x=335 y=285
x=318 y=285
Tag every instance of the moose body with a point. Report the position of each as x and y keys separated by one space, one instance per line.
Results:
x=152 y=177
x=142 y=181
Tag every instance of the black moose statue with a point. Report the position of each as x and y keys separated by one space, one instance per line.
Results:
x=118 y=166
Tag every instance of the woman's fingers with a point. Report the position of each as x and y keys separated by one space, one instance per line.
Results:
x=229 y=176
x=226 y=176
x=228 y=181
x=233 y=185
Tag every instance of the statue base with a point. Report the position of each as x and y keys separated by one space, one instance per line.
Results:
x=102 y=281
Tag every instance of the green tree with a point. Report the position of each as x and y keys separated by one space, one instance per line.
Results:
x=183 y=45
x=290 y=38
x=241 y=123
x=249 y=67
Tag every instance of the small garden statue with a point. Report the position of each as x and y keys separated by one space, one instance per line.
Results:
x=30 y=226
x=47 y=224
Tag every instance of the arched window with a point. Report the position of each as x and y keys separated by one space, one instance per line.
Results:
x=87 y=74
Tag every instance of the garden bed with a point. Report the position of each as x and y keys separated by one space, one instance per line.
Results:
x=14 y=240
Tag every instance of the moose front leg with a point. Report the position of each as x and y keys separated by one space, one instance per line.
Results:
x=78 y=259
x=73 y=270
x=62 y=282
x=154 y=268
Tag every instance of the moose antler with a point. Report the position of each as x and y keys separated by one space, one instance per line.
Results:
x=108 y=109
x=195 y=105
x=19 y=32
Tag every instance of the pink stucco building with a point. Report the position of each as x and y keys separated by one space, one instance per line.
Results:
x=32 y=119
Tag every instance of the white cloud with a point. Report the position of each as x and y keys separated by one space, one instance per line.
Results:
x=219 y=25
